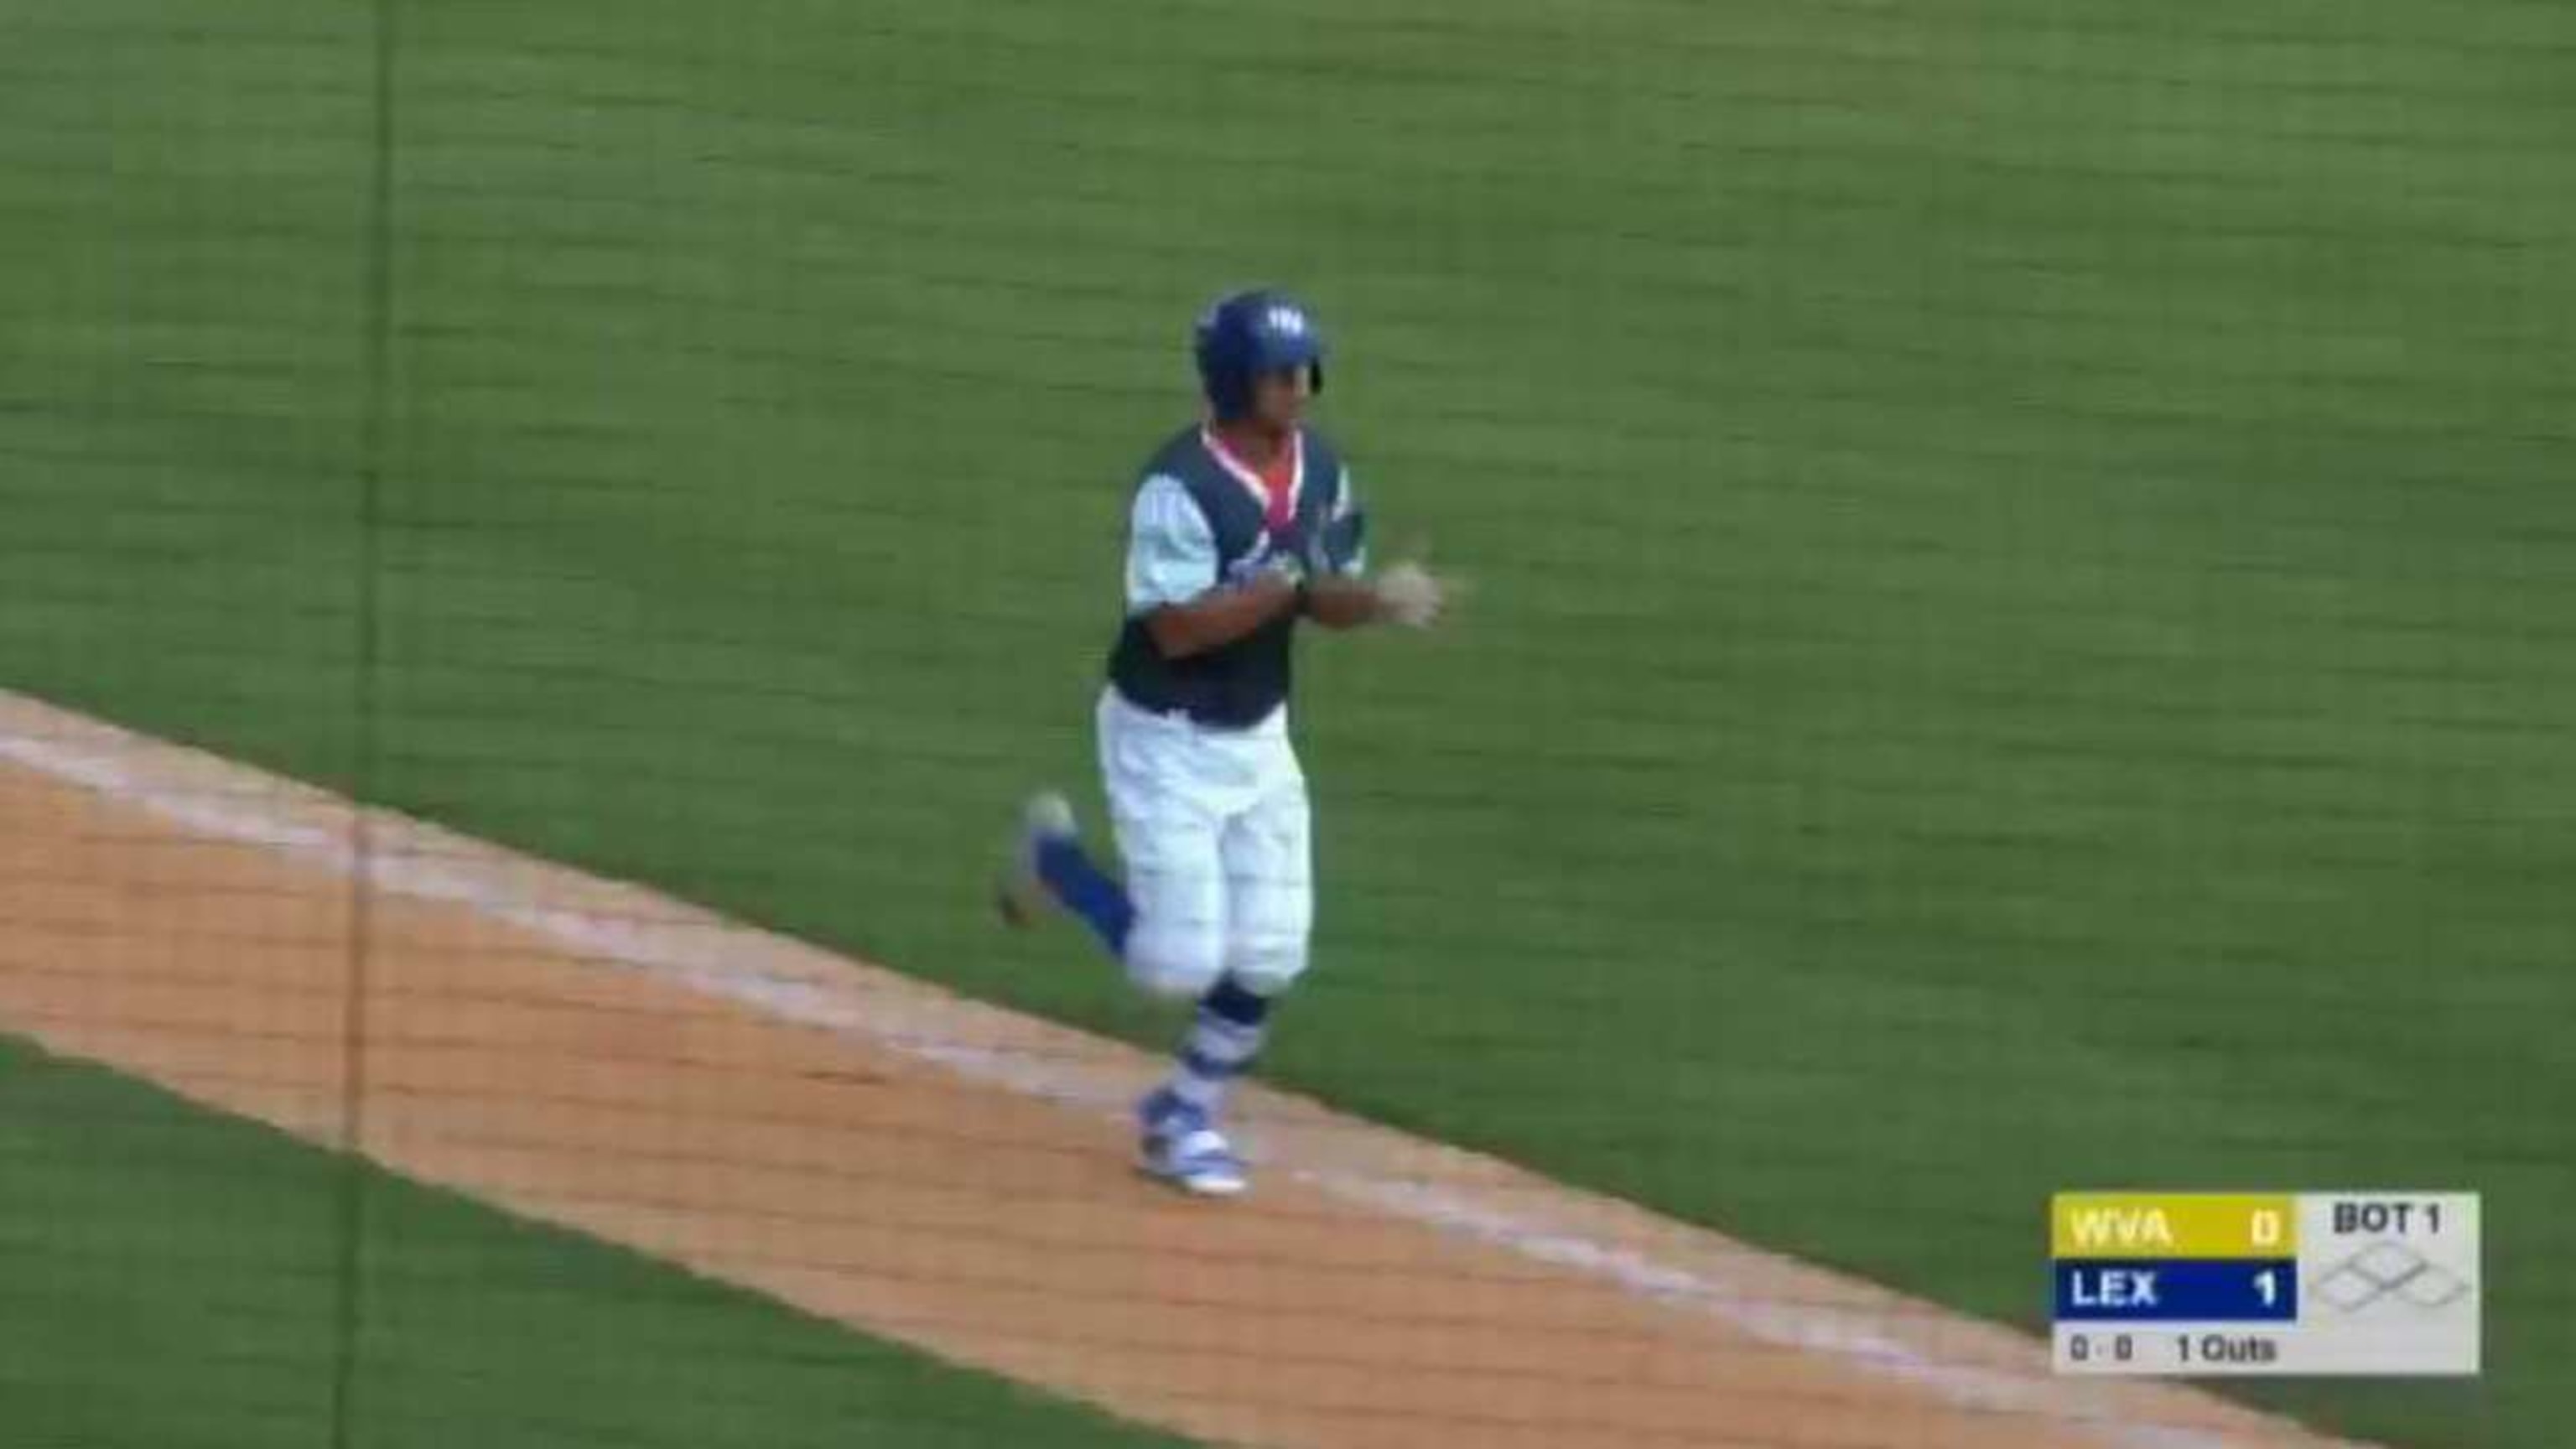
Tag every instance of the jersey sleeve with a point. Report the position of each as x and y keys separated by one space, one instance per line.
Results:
x=1171 y=551
x=1346 y=531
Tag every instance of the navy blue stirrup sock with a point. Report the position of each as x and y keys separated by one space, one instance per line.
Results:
x=1223 y=1039
x=1087 y=891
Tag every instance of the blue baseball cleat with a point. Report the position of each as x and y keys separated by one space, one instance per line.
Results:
x=1022 y=896
x=1182 y=1147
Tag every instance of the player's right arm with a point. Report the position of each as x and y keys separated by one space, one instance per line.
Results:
x=1221 y=616
x=1172 y=582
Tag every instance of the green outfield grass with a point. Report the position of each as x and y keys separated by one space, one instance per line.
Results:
x=214 y=1324
x=2026 y=613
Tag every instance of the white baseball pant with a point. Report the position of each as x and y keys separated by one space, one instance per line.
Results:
x=1216 y=832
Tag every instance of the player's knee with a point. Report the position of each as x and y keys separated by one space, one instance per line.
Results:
x=1267 y=963
x=1176 y=961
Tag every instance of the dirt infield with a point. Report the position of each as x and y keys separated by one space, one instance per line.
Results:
x=870 y=1149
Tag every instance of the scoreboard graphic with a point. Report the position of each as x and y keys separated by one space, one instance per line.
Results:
x=2192 y=1284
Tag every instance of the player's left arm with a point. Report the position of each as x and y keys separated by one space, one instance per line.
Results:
x=1339 y=593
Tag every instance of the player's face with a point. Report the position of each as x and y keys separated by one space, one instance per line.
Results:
x=1279 y=397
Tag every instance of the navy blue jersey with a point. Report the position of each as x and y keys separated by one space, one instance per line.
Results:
x=1201 y=521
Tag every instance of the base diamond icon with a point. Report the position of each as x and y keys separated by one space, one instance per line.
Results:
x=2387 y=1270
x=2432 y=1288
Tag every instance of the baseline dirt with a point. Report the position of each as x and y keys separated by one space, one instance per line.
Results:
x=870 y=1149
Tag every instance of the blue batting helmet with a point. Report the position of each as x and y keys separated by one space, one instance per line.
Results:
x=1250 y=333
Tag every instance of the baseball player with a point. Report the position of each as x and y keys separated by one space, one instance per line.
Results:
x=1243 y=526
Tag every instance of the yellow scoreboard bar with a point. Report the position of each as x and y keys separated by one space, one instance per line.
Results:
x=2173 y=1225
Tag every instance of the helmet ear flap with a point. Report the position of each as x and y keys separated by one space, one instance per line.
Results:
x=1230 y=394
x=1315 y=377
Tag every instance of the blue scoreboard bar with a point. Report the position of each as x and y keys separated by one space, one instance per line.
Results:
x=2168 y=1290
